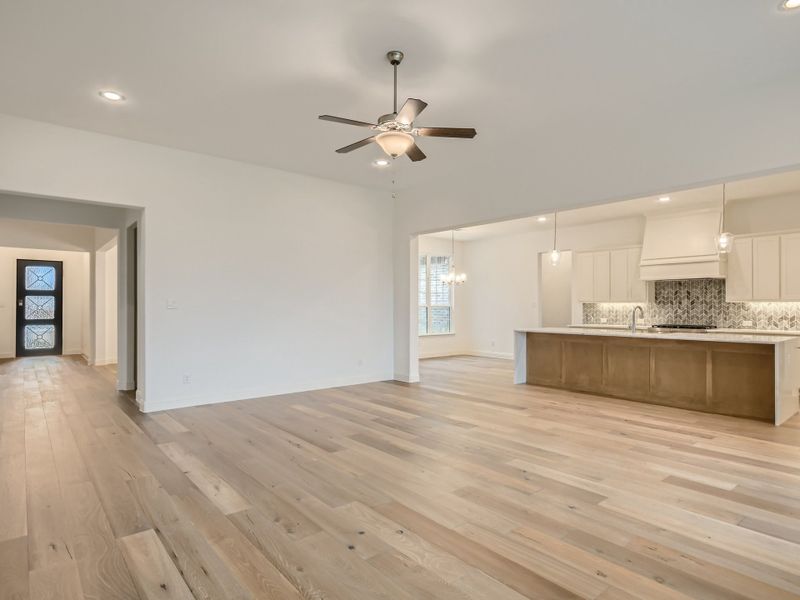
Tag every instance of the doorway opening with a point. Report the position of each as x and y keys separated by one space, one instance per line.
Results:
x=71 y=272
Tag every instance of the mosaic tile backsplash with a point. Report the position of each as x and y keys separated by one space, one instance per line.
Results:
x=699 y=302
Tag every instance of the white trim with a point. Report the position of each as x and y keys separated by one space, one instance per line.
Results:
x=8 y=355
x=444 y=354
x=104 y=362
x=250 y=394
x=435 y=334
x=477 y=353
x=405 y=378
x=485 y=354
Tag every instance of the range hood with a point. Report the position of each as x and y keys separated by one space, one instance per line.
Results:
x=682 y=246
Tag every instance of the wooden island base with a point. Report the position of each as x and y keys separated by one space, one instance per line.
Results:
x=723 y=378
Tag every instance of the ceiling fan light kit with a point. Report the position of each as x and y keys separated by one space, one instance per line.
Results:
x=395 y=130
x=394 y=143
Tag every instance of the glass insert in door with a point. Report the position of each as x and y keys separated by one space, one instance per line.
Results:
x=39 y=310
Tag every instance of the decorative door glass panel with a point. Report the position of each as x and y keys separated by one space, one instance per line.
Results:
x=40 y=337
x=40 y=307
x=440 y=319
x=40 y=278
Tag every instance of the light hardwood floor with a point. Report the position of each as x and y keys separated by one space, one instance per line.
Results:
x=464 y=486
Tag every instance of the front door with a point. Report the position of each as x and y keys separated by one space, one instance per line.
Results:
x=39 y=297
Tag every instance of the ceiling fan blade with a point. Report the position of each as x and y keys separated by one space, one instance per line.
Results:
x=356 y=145
x=345 y=121
x=415 y=154
x=451 y=132
x=410 y=110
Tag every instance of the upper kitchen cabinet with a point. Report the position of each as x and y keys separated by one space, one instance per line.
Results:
x=764 y=268
x=609 y=276
x=739 y=285
x=637 y=288
x=790 y=266
x=584 y=276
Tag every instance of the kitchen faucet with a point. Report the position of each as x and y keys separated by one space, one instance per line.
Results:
x=633 y=317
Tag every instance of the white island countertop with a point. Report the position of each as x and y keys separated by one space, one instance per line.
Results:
x=735 y=338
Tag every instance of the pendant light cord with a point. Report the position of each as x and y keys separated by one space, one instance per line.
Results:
x=453 y=249
x=555 y=230
x=722 y=224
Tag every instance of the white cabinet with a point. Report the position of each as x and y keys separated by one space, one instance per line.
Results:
x=637 y=289
x=619 y=287
x=739 y=285
x=766 y=268
x=602 y=281
x=790 y=267
x=609 y=276
x=584 y=276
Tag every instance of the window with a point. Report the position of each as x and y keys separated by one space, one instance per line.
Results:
x=435 y=297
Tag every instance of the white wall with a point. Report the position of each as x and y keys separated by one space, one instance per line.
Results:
x=502 y=291
x=457 y=342
x=103 y=307
x=776 y=213
x=16 y=233
x=555 y=290
x=76 y=292
x=281 y=282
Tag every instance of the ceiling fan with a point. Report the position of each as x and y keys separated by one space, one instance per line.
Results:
x=395 y=132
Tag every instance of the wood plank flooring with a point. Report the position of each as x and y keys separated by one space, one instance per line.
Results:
x=462 y=487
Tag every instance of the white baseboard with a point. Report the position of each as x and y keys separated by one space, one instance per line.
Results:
x=278 y=390
x=105 y=361
x=479 y=353
x=485 y=354
x=406 y=378
x=444 y=354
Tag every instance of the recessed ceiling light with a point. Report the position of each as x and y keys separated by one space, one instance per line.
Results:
x=380 y=162
x=542 y=219
x=112 y=96
x=790 y=4
x=664 y=199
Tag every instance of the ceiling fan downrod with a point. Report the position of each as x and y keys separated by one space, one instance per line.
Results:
x=395 y=57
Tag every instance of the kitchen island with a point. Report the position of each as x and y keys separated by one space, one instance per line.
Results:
x=743 y=375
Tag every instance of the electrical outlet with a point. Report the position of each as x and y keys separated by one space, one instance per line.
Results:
x=172 y=304
x=603 y=320
x=186 y=380
x=747 y=323
x=492 y=343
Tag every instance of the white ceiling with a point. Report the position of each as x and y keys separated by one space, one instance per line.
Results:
x=779 y=184
x=246 y=80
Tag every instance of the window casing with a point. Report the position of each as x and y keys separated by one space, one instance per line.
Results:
x=435 y=296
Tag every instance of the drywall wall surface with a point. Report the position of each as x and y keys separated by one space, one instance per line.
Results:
x=256 y=281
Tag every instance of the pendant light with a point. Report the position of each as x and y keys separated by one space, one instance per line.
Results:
x=724 y=239
x=555 y=255
x=453 y=278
